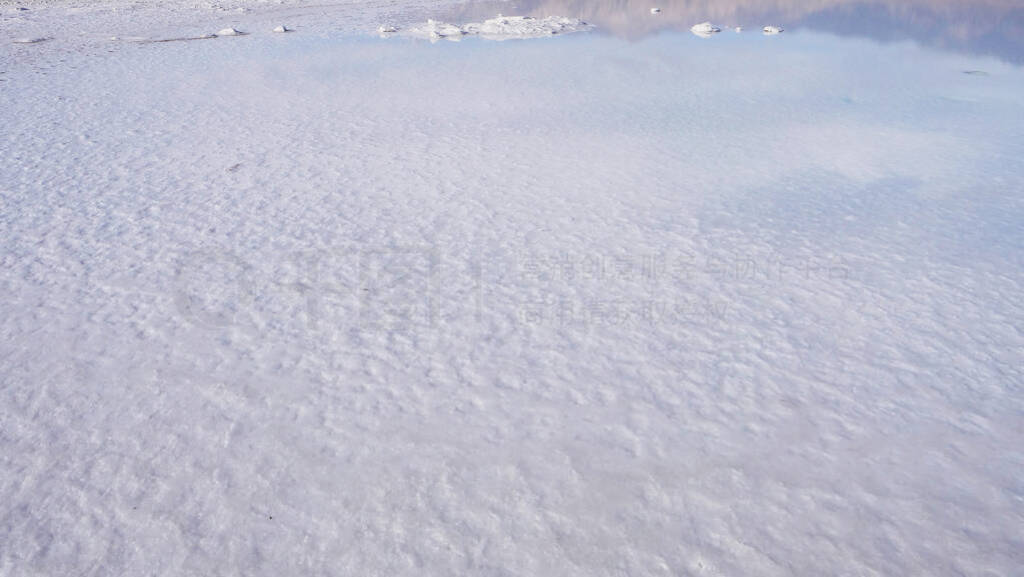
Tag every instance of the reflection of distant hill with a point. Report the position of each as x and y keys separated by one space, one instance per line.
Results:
x=974 y=27
x=994 y=27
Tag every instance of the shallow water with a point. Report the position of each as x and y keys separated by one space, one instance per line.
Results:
x=982 y=27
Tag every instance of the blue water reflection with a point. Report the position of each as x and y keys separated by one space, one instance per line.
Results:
x=982 y=27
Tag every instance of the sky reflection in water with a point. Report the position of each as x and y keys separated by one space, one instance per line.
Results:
x=978 y=27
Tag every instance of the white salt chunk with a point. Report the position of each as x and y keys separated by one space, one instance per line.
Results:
x=705 y=29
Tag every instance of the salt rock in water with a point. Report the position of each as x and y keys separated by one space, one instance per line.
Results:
x=705 y=29
x=655 y=10
x=385 y=29
x=230 y=32
x=31 y=40
x=282 y=29
x=500 y=28
x=772 y=30
x=435 y=30
x=525 y=26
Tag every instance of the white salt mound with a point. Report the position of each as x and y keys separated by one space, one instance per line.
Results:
x=31 y=40
x=385 y=29
x=771 y=30
x=705 y=29
x=524 y=26
x=655 y=10
x=230 y=32
x=435 y=29
x=282 y=29
x=501 y=28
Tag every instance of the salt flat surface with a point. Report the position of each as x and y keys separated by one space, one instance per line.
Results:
x=89 y=25
x=322 y=304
